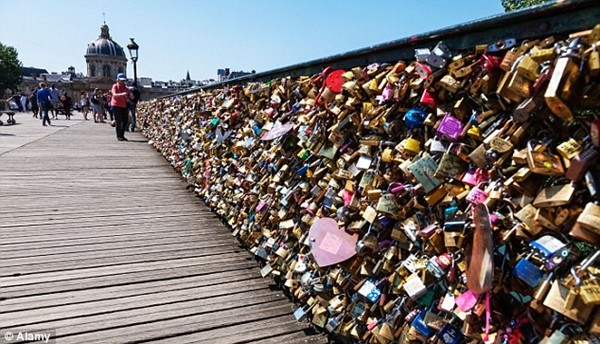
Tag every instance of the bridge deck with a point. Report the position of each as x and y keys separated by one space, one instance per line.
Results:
x=100 y=242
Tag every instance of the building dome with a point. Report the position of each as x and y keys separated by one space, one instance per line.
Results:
x=104 y=57
x=105 y=46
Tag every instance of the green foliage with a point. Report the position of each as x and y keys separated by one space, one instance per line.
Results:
x=10 y=69
x=512 y=5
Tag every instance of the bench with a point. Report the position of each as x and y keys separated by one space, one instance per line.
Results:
x=11 y=116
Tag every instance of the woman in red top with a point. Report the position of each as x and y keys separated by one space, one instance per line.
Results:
x=118 y=102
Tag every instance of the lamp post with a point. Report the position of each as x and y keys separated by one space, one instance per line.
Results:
x=133 y=52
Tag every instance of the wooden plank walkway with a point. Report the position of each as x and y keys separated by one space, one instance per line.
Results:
x=101 y=242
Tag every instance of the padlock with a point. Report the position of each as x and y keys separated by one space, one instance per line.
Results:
x=555 y=196
x=589 y=219
x=589 y=292
x=563 y=82
x=424 y=171
x=451 y=165
x=478 y=195
x=528 y=68
x=449 y=128
x=569 y=149
x=581 y=163
x=540 y=161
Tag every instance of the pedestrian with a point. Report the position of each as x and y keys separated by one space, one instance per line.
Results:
x=94 y=100
x=67 y=102
x=55 y=98
x=108 y=109
x=118 y=104
x=132 y=104
x=44 y=99
x=84 y=102
x=24 y=102
x=102 y=106
x=33 y=101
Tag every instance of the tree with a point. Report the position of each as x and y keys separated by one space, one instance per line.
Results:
x=10 y=69
x=512 y=5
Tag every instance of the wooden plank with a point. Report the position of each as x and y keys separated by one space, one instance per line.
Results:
x=110 y=250
x=202 y=322
x=91 y=282
x=107 y=243
x=112 y=291
x=169 y=311
x=21 y=279
x=23 y=318
x=275 y=330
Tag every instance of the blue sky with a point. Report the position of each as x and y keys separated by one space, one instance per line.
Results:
x=203 y=35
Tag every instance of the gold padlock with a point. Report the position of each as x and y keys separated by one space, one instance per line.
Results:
x=589 y=219
x=590 y=292
x=542 y=162
x=528 y=68
x=562 y=85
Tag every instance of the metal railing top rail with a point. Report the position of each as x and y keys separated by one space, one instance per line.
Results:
x=544 y=20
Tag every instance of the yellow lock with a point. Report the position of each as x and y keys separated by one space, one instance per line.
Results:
x=412 y=145
x=528 y=68
x=387 y=155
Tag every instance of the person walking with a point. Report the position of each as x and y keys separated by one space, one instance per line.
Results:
x=33 y=101
x=118 y=104
x=84 y=102
x=101 y=107
x=55 y=97
x=67 y=102
x=132 y=104
x=44 y=99
x=24 y=102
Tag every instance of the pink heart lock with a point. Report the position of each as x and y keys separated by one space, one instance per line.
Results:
x=329 y=244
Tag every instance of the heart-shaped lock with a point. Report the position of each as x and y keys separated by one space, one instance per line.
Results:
x=329 y=244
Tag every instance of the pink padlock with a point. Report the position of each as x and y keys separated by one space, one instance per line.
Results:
x=473 y=177
x=477 y=195
x=466 y=300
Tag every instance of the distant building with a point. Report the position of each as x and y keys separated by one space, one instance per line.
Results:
x=32 y=72
x=225 y=74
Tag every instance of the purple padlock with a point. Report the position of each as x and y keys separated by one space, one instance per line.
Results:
x=261 y=206
x=449 y=128
x=397 y=187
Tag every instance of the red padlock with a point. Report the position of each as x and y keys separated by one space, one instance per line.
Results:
x=428 y=99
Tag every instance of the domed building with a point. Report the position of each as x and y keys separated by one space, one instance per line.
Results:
x=105 y=58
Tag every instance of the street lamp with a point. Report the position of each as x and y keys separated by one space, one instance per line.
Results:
x=133 y=52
